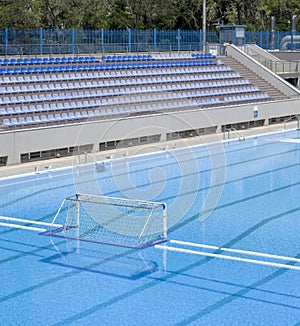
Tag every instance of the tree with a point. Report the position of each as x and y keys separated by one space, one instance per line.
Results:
x=20 y=14
x=145 y=14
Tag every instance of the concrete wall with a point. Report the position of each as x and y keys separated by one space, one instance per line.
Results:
x=14 y=143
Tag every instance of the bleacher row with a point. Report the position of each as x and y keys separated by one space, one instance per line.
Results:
x=105 y=58
x=111 y=75
x=134 y=94
x=79 y=115
x=46 y=60
x=64 y=97
x=149 y=57
x=113 y=84
x=88 y=67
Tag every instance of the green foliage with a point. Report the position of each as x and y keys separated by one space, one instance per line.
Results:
x=146 y=14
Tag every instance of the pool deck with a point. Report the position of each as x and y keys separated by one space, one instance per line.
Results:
x=34 y=167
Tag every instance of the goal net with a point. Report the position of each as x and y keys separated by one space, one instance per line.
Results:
x=115 y=221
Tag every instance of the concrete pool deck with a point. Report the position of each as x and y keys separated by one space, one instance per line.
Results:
x=32 y=167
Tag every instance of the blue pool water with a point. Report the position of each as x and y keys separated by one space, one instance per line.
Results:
x=241 y=195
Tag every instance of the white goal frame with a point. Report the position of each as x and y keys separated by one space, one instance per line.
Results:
x=143 y=235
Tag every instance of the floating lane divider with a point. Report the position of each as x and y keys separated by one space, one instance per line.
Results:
x=18 y=223
x=227 y=257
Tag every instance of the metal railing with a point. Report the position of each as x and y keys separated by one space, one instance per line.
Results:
x=294 y=117
x=279 y=67
x=229 y=130
x=58 y=41
x=47 y=41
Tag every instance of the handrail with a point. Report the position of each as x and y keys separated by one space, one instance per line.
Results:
x=296 y=116
x=277 y=66
x=228 y=130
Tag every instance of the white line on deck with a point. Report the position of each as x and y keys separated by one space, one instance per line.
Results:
x=290 y=140
x=245 y=252
x=246 y=260
x=24 y=227
x=21 y=220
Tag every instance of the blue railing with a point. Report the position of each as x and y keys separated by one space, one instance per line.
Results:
x=73 y=41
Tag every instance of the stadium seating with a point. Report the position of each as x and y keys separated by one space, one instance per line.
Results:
x=39 y=91
x=46 y=60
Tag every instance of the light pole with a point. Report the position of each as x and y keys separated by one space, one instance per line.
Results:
x=204 y=25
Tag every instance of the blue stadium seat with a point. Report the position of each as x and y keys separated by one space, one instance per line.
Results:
x=14 y=121
x=2 y=111
x=44 y=118
x=51 y=117
x=84 y=114
x=71 y=115
x=36 y=119
x=29 y=120
x=7 y=123
x=58 y=117
x=91 y=114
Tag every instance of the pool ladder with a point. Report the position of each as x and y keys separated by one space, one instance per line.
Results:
x=293 y=117
x=228 y=130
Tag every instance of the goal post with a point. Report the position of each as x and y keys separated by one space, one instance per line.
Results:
x=110 y=220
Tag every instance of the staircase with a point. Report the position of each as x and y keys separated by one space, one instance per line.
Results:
x=255 y=79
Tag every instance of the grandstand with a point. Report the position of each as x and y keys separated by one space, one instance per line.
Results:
x=46 y=100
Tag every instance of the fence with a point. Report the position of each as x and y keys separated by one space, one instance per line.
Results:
x=73 y=41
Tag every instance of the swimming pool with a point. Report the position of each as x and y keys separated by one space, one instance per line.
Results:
x=238 y=195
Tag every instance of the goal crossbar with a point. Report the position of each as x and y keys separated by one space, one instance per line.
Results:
x=111 y=220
